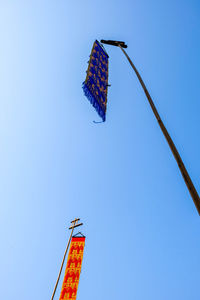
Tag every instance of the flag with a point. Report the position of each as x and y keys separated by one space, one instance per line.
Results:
x=73 y=269
x=95 y=85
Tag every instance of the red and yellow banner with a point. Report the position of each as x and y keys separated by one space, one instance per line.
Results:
x=73 y=269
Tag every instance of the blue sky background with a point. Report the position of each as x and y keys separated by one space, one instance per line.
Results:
x=120 y=178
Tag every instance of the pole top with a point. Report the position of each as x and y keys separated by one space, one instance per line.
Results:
x=75 y=223
x=114 y=43
x=75 y=220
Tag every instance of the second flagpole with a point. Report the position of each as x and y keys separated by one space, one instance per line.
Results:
x=74 y=224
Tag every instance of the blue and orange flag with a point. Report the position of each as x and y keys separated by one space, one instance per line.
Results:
x=73 y=269
x=95 y=85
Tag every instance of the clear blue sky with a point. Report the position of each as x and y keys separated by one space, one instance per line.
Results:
x=120 y=178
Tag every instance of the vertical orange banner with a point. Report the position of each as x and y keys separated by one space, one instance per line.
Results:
x=73 y=269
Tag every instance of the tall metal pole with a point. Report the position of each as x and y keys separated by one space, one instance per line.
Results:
x=74 y=224
x=171 y=144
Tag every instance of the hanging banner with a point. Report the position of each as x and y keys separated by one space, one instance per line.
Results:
x=96 y=84
x=73 y=269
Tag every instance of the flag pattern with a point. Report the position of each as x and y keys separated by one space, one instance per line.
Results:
x=73 y=269
x=96 y=84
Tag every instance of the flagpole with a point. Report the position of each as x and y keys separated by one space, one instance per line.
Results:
x=182 y=168
x=74 y=224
